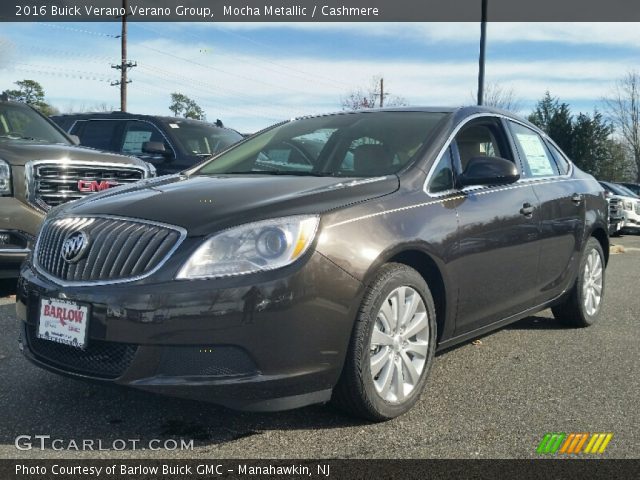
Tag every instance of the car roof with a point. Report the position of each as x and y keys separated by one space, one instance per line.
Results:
x=128 y=115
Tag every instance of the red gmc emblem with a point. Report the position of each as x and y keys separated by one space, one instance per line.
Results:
x=88 y=186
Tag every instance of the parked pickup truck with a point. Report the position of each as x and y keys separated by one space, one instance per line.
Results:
x=630 y=203
x=42 y=167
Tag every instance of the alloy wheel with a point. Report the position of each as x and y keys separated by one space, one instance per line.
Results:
x=399 y=344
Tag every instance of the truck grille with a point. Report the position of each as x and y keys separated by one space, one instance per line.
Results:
x=116 y=249
x=54 y=183
x=615 y=208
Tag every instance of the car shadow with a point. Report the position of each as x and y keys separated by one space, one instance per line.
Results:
x=41 y=402
x=537 y=323
x=7 y=287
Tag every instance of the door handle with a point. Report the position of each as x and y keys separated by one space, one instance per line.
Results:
x=527 y=210
x=576 y=198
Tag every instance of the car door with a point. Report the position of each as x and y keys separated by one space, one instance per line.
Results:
x=562 y=209
x=498 y=239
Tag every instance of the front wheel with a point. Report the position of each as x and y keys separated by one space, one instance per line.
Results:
x=583 y=303
x=392 y=346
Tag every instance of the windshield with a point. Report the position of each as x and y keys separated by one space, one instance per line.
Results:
x=619 y=190
x=201 y=138
x=362 y=144
x=21 y=123
x=626 y=191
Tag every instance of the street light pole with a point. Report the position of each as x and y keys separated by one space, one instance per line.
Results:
x=483 y=44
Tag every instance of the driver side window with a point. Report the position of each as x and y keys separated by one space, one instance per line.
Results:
x=481 y=139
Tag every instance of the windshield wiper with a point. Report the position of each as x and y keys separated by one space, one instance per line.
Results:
x=19 y=137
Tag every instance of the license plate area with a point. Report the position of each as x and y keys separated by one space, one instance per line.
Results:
x=63 y=321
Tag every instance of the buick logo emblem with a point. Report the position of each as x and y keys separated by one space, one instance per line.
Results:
x=74 y=246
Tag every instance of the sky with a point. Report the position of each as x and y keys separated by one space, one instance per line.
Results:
x=251 y=75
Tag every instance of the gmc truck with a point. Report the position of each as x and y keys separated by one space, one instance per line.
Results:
x=42 y=167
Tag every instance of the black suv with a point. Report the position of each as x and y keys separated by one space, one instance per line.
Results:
x=171 y=144
x=324 y=258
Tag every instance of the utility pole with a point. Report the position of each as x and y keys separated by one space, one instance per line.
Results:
x=381 y=92
x=124 y=64
x=483 y=44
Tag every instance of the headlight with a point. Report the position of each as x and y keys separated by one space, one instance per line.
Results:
x=255 y=247
x=5 y=178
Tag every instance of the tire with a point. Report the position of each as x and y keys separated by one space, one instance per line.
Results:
x=574 y=310
x=388 y=395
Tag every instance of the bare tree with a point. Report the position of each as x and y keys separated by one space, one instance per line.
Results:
x=500 y=96
x=623 y=107
x=369 y=97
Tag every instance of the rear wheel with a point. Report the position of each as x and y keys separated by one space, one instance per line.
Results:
x=583 y=303
x=392 y=346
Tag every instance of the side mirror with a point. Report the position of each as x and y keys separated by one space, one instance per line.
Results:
x=489 y=171
x=154 y=148
x=75 y=139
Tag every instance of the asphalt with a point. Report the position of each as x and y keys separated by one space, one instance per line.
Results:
x=492 y=398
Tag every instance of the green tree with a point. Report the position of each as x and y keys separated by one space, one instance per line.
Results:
x=183 y=106
x=623 y=107
x=591 y=143
x=31 y=93
x=555 y=119
x=587 y=139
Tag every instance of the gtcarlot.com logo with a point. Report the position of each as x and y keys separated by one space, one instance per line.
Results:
x=45 y=442
x=574 y=443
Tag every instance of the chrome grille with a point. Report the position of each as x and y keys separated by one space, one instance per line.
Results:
x=118 y=249
x=53 y=183
x=615 y=208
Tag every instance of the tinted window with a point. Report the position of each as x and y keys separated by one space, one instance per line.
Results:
x=480 y=139
x=200 y=138
x=442 y=178
x=98 y=133
x=353 y=144
x=20 y=123
x=136 y=133
x=536 y=158
x=561 y=161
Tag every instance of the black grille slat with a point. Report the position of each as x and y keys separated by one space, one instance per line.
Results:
x=123 y=255
x=162 y=250
x=99 y=359
x=118 y=249
x=147 y=253
x=56 y=184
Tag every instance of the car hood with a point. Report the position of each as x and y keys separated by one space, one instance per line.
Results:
x=204 y=204
x=19 y=153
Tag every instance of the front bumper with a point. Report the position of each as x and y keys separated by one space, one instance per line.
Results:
x=18 y=225
x=270 y=345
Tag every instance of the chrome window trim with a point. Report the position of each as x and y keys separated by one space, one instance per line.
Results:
x=64 y=283
x=173 y=149
x=452 y=136
x=30 y=166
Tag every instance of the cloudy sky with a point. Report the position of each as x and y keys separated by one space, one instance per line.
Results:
x=252 y=75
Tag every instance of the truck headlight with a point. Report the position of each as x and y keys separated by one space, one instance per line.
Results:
x=5 y=178
x=254 y=247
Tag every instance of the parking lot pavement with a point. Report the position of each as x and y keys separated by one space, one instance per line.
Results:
x=494 y=398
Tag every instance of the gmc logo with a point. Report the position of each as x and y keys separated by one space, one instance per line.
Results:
x=88 y=186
